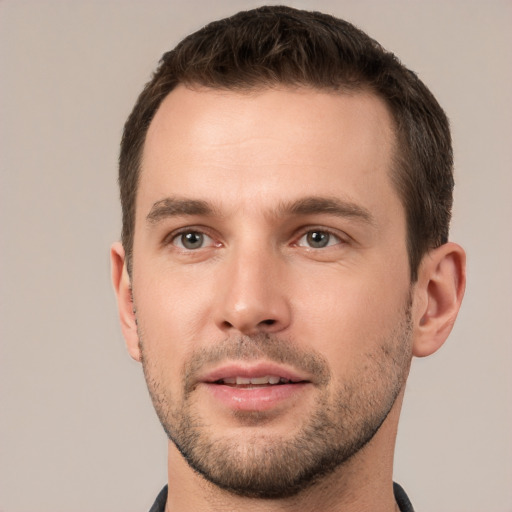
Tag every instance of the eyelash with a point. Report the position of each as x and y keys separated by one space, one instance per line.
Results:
x=341 y=238
x=175 y=235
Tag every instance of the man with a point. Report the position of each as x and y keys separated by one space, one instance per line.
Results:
x=286 y=188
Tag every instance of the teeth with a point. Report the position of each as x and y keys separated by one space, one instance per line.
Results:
x=257 y=380
x=267 y=379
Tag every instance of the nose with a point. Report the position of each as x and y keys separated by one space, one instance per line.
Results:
x=252 y=293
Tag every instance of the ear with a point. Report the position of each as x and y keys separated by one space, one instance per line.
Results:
x=123 y=289
x=438 y=296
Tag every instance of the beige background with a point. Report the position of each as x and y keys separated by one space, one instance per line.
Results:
x=77 y=432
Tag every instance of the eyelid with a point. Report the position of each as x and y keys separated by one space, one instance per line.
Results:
x=170 y=238
x=341 y=236
x=178 y=242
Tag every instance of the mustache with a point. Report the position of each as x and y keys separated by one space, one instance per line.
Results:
x=253 y=348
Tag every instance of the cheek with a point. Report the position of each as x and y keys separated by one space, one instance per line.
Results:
x=171 y=312
x=347 y=316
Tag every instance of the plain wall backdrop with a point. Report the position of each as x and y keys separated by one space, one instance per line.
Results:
x=77 y=431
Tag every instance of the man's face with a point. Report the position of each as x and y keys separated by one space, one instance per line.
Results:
x=270 y=281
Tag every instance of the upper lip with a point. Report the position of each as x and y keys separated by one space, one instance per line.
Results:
x=252 y=370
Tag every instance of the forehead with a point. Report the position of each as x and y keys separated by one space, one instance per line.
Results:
x=254 y=147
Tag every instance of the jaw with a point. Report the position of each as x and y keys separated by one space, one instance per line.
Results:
x=364 y=482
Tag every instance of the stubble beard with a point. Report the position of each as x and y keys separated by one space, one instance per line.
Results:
x=270 y=466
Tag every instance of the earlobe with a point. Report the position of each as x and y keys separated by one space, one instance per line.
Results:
x=438 y=294
x=122 y=288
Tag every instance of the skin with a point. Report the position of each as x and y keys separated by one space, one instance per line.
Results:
x=258 y=161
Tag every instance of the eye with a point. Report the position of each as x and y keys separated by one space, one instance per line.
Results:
x=191 y=240
x=318 y=239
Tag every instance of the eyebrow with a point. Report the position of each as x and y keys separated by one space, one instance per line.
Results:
x=326 y=205
x=176 y=207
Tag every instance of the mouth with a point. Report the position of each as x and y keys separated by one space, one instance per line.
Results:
x=254 y=375
x=259 y=387
x=255 y=382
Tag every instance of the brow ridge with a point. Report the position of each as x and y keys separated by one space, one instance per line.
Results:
x=174 y=207
x=311 y=205
x=326 y=205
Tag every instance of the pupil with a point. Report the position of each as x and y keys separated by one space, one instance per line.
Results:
x=192 y=240
x=318 y=239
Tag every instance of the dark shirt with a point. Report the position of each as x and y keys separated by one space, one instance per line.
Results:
x=401 y=498
x=161 y=500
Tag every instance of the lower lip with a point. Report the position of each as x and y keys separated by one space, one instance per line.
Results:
x=256 y=399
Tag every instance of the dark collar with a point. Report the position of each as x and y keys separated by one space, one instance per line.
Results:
x=401 y=498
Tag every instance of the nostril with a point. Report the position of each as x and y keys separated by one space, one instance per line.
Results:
x=247 y=327
x=227 y=325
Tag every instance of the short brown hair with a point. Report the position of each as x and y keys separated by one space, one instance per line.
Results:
x=273 y=46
